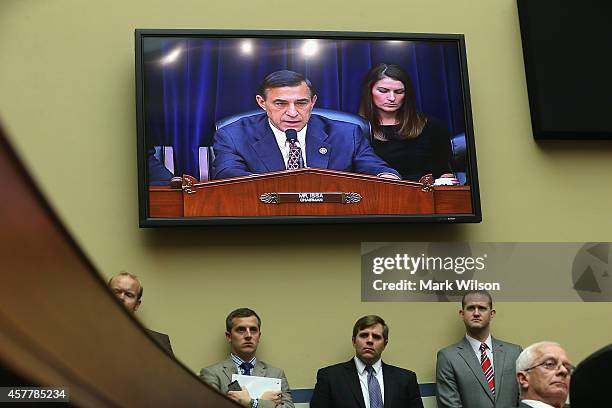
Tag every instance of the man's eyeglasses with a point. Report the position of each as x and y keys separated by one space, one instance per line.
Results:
x=553 y=365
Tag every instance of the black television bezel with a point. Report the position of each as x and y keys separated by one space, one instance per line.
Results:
x=143 y=197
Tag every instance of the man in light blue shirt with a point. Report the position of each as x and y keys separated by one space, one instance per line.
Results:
x=243 y=332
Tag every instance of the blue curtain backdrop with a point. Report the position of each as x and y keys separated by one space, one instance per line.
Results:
x=192 y=83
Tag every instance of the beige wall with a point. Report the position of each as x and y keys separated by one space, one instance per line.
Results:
x=67 y=99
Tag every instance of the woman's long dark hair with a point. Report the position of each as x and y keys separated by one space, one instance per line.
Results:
x=411 y=122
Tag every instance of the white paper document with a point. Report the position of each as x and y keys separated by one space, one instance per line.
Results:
x=257 y=385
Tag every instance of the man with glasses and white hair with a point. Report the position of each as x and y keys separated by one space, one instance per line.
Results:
x=543 y=373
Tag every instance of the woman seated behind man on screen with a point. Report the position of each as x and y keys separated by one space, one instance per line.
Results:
x=410 y=142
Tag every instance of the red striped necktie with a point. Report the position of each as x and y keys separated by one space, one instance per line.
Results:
x=487 y=367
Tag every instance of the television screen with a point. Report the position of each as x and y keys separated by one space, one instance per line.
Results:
x=566 y=51
x=276 y=127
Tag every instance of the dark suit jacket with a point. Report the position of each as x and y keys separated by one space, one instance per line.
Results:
x=248 y=146
x=161 y=339
x=158 y=174
x=338 y=386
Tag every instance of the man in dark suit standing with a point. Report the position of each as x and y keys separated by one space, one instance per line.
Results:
x=365 y=381
x=128 y=290
x=543 y=372
x=478 y=371
x=287 y=137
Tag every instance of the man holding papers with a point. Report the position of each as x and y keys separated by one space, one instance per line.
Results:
x=243 y=334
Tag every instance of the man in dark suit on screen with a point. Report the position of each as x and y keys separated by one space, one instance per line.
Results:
x=158 y=175
x=287 y=137
x=128 y=290
x=365 y=381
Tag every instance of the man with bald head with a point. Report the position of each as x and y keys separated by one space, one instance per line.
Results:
x=543 y=373
x=128 y=289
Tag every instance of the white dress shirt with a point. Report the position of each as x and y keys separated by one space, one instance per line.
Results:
x=536 y=404
x=363 y=379
x=283 y=143
x=476 y=347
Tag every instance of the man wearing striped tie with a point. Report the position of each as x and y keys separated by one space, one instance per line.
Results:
x=478 y=371
x=288 y=137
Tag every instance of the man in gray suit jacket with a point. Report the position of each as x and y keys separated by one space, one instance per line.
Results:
x=479 y=370
x=243 y=334
x=543 y=372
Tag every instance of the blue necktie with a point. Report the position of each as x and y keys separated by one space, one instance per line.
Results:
x=376 y=400
x=246 y=368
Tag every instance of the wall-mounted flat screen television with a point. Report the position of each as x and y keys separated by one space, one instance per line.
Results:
x=566 y=50
x=244 y=127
